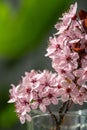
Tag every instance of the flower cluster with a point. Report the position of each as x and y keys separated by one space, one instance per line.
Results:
x=68 y=52
x=37 y=90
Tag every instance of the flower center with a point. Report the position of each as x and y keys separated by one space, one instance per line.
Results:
x=68 y=90
x=68 y=58
x=50 y=95
x=59 y=86
x=28 y=90
x=39 y=100
x=63 y=71
x=33 y=80
x=57 y=47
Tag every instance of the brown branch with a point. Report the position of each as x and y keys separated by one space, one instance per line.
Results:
x=54 y=117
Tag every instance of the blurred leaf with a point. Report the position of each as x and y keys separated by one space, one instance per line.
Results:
x=7 y=111
x=8 y=117
x=22 y=30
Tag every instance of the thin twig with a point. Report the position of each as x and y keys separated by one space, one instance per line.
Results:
x=63 y=110
x=53 y=116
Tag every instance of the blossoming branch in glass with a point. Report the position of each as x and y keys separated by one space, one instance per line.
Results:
x=68 y=52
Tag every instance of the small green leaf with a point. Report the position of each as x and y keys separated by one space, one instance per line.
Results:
x=32 y=101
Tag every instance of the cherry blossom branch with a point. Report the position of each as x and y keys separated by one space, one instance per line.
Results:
x=63 y=110
x=68 y=52
x=54 y=117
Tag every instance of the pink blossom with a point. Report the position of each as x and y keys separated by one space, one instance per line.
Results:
x=30 y=79
x=53 y=48
x=69 y=89
x=67 y=19
x=25 y=117
x=22 y=108
x=56 y=46
x=67 y=60
x=84 y=61
x=63 y=73
x=81 y=74
x=47 y=79
x=52 y=96
x=14 y=93
x=81 y=97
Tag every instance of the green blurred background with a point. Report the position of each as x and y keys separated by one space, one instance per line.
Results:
x=25 y=27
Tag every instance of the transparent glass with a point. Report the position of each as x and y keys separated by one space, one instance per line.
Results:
x=72 y=120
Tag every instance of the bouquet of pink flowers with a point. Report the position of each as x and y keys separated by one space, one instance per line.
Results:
x=68 y=52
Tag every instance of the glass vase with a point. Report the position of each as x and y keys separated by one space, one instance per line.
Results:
x=75 y=119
